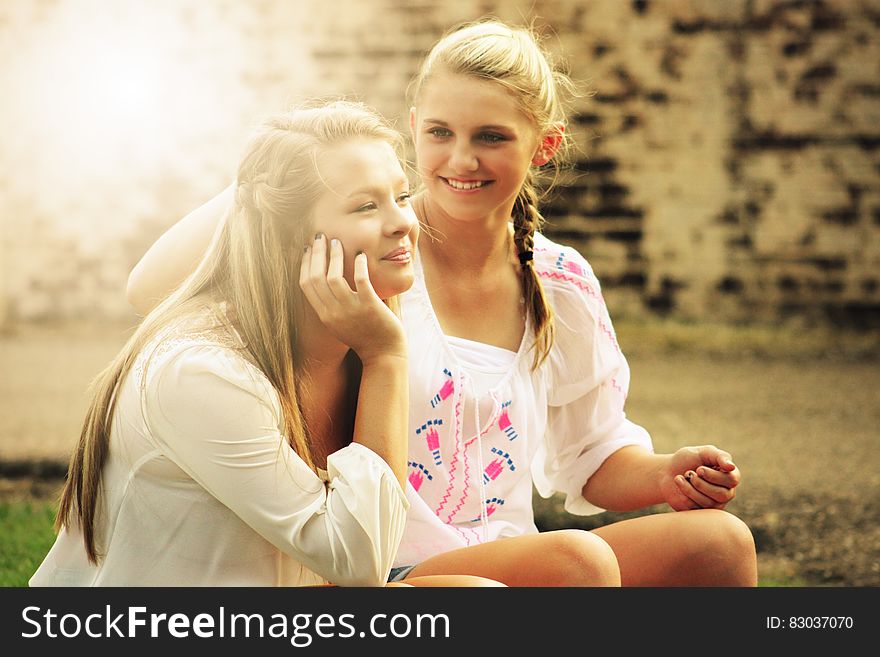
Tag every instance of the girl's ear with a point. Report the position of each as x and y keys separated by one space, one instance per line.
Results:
x=412 y=123
x=550 y=144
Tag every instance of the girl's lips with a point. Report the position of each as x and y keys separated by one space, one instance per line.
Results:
x=401 y=255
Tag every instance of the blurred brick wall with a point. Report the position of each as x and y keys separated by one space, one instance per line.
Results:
x=728 y=164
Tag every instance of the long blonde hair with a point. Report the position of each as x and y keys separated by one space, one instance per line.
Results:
x=514 y=58
x=253 y=264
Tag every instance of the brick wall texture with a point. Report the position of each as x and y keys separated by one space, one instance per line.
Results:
x=727 y=163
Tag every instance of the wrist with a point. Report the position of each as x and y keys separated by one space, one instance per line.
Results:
x=662 y=473
x=389 y=350
x=385 y=359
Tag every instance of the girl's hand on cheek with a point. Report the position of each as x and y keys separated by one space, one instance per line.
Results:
x=358 y=318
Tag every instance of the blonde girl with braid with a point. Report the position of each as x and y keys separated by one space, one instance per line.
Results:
x=516 y=379
x=517 y=327
x=253 y=430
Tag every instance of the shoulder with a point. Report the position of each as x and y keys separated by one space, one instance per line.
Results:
x=200 y=388
x=565 y=274
x=180 y=362
x=585 y=349
x=583 y=327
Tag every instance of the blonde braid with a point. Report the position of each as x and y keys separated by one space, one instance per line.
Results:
x=526 y=220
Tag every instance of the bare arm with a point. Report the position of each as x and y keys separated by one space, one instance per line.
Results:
x=382 y=411
x=175 y=254
x=692 y=478
x=360 y=319
x=628 y=479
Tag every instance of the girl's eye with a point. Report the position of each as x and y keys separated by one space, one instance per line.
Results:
x=491 y=138
x=403 y=199
x=439 y=132
x=366 y=207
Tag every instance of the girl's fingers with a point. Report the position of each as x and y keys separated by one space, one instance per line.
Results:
x=336 y=273
x=322 y=278
x=307 y=286
x=718 y=477
x=318 y=267
x=719 y=494
x=683 y=489
x=305 y=267
x=687 y=484
x=362 y=282
x=717 y=458
x=313 y=277
x=335 y=268
x=305 y=275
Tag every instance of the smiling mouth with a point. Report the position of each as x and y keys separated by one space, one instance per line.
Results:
x=465 y=185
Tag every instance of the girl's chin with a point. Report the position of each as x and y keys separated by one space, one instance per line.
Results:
x=386 y=288
x=464 y=207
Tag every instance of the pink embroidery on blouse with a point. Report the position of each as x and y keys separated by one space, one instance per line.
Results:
x=417 y=477
x=574 y=267
x=432 y=438
x=467 y=462
x=492 y=505
x=504 y=422
x=492 y=470
x=496 y=467
x=454 y=463
x=559 y=276
x=444 y=392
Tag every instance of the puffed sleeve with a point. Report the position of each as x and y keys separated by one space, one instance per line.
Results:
x=588 y=383
x=218 y=418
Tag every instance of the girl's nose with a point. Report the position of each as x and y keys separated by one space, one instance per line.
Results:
x=463 y=158
x=401 y=220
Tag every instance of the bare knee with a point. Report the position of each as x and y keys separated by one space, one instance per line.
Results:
x=473 y=580
x=451 y=581
x=579 y=558
x=728 y=548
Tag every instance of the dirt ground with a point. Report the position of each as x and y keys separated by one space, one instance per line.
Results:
x=803 y=424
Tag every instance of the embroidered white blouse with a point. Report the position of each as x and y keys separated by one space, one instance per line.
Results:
x=202 y=489
x=482 y=433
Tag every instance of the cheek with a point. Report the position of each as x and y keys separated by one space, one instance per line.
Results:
x=428 y=156
x=348 y=269
x=511 y=167
x=352 y=242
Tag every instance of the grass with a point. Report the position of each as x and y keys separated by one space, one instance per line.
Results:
x=782 y=583
x=26 y=535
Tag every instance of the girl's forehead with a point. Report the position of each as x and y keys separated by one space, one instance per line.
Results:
x=445 y=83
x=462 y=98
x=360 y=163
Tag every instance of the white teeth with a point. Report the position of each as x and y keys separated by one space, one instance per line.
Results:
x=464 y=185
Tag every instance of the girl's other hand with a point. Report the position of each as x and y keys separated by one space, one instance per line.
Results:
x=358 y=318
x=703 y=477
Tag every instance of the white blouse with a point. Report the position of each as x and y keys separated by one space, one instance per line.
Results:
x=202 y=489
x=482 y=435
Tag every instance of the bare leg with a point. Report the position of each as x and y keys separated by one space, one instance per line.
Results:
x=568 y=557
x=706 y=547
x=448 y=580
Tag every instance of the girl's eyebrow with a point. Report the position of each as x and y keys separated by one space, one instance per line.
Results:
x=378 y=190
x=482 y=127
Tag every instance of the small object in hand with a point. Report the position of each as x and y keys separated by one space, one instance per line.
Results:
x=689 y=475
